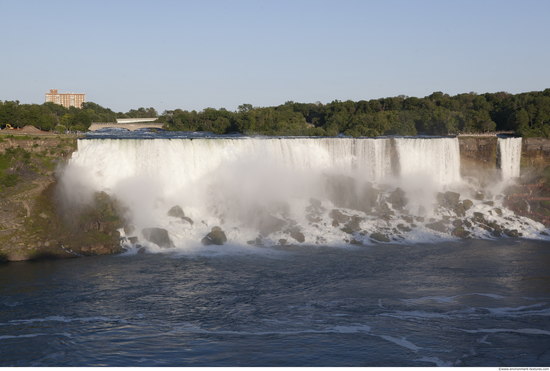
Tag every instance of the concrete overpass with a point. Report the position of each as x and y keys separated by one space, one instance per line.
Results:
x=130 y=126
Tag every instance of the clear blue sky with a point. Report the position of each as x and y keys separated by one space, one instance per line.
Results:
x=205 y=53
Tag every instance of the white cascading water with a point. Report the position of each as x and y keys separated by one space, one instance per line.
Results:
x=436 y=159
x=179 y=164
x=326 y=191
x=509 y=152
x=427 y=166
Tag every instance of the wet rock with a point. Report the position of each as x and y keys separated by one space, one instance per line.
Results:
x=479 y=196
x=380 y=237
x=158 y=236
x=297 y=234
x=496 y=230
x=95 y=249
x=283 y=242
x=512 y=233
x=461 y=208
x=467 y=204
x=490 y=203
x=313 y=217
x=314 y=211
x=478 y=217
x=397 y=199
x=460 y=232
x=384 y=211
x=338 y=217
x=438 y=226
x=404 y=228
x=409 y=219
x=353 y=241
x=215 y=237
x=448 y=199
x=270 y=224
x=490 y=226
x=353 y=226
x=256 y=242
x=187 y=219
x=451 y=201
x=176 y=212
x=498 y=211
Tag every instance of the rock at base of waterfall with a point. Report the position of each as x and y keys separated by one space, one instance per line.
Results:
x=215 y=237
x=158 y=236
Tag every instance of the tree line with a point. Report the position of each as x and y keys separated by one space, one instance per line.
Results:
x=526 y=114
x=54 y=117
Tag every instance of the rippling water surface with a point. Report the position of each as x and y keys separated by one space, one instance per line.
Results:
x=473 y=303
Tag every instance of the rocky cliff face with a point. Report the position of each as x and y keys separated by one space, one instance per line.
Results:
x=530 y=197
x=535 y=153
x=478 y=157
x=33 y=225
x=481 y=153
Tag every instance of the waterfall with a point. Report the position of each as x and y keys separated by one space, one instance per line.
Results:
x=437 y=159
x=176 y=163
x=301 y=190
x=509 y=155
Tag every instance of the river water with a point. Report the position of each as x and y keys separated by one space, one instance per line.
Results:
x=468 y=303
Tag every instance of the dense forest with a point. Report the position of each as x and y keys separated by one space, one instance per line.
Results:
x=527 y=114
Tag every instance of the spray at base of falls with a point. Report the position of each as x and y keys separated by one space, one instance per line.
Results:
x=277 y=191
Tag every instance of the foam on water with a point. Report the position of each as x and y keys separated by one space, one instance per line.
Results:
x=436 y=361
x=59 y=319
x=402 y=342
x=450 y=299
x=7 y=337
x=351 y=329
x=524 y=331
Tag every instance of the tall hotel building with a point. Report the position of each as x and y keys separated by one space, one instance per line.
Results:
x=66 y=100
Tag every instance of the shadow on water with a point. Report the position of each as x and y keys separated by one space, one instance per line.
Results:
x=43 y=255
